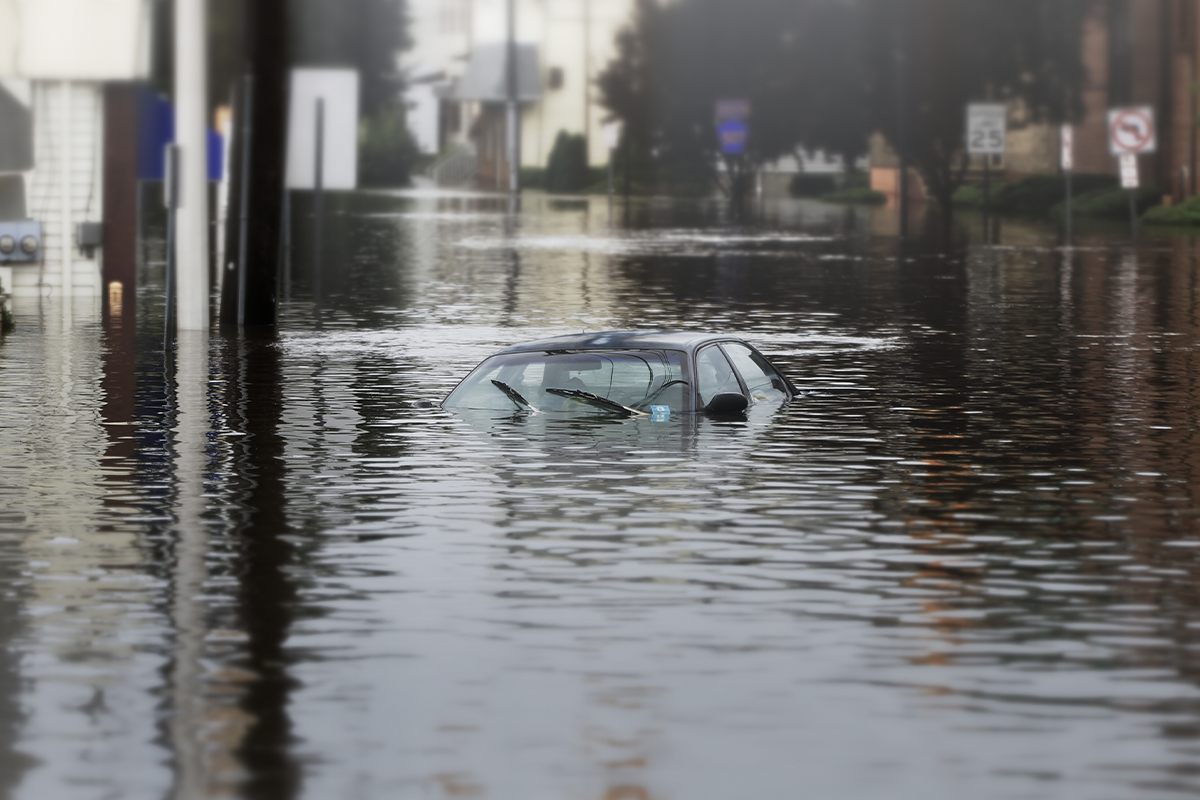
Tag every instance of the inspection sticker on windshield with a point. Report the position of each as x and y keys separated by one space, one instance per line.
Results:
x=660 y=413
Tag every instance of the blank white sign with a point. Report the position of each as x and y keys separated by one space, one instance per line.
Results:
x=338 y=88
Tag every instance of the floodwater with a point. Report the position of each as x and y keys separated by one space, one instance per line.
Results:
x=964 y=564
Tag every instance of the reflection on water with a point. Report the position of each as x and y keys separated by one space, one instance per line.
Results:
x=963 y=563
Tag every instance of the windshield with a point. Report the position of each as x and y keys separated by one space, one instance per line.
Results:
x=575 y=381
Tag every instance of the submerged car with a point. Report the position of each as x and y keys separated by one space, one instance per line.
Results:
x=631 y=373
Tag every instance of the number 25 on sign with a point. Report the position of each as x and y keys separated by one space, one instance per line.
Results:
x=986 y=126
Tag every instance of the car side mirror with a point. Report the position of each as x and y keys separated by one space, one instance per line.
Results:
x=727 y=403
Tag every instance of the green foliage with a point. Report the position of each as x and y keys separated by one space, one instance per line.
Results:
x=969 y=195
x=1031 y=196
x=533 y=177
x=364 y=34
x=386 y=150
x=1186 y=213
x=567 y=167
x=856 y=195
x=824 y=73
x=1112 y=203
x=807 y=184
x=7 y=324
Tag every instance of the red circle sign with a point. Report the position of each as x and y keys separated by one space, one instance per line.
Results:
x=1132 y=131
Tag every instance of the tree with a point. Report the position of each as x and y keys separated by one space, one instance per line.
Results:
x=931 y=58
x=567 y=167
x=823 y=74
x=792 y=60
x=628 y=88
x=367 y=35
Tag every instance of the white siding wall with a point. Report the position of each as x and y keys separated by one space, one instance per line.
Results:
x=68 y=131
x=577 y=37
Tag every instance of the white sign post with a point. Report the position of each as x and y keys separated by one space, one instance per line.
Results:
x=322 y=145
x=1131 y=132
x=987 y=124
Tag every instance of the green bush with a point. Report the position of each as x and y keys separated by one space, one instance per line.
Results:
x=386 y=150
x=1031 y=196
x=533 y=177
x=969 y=195
x=1186 y=213
x=856 y=180
x=1112 y=203
x=807 y=184
x=6 y=318
x=567 y=167
x=858 y=195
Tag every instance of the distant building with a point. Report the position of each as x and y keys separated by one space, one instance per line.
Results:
x=457 y=87
x=56 y=59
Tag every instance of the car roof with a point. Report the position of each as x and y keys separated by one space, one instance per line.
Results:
x=622 y=340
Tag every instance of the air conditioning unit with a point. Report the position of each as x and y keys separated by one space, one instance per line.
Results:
x=20 y=242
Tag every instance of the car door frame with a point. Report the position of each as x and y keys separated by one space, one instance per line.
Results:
x=696 y=404
x=737 y=373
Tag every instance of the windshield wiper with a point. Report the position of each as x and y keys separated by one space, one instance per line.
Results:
x=597 y=401
x=513 y=395
x=650 y=398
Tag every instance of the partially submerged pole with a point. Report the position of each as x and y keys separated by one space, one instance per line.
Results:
x=318 y=206
x=257 y=184
x=191 y=138
x=512 y=117
x=171 y=201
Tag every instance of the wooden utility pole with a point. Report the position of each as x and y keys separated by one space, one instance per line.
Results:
x=250 y=291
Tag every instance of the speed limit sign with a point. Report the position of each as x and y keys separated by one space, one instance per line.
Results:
x=986 y=126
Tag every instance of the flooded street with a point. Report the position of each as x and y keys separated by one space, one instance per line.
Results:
x=964 y=563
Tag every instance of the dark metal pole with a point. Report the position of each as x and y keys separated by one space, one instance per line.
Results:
x=902 y=138
x=1133 y=226
x=318 y=207
x=1068 y=206
x=987 y=196
x=171 y=201
x=287 y=245
x=1067 y=147
x=244 y=216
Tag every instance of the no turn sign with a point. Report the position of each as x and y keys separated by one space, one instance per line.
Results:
x=1131 y=130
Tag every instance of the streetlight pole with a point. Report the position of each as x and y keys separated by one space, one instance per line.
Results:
x=513 y=121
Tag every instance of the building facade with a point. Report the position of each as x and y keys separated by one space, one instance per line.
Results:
x=565 y=43
x=56 y=59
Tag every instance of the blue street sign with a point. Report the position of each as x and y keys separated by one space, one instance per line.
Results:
x=732 y=133
x=156 y=130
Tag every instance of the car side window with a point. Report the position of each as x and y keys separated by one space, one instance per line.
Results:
x=714 y=374
x=760 y=378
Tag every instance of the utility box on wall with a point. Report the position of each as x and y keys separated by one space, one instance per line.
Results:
x=20 y=242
